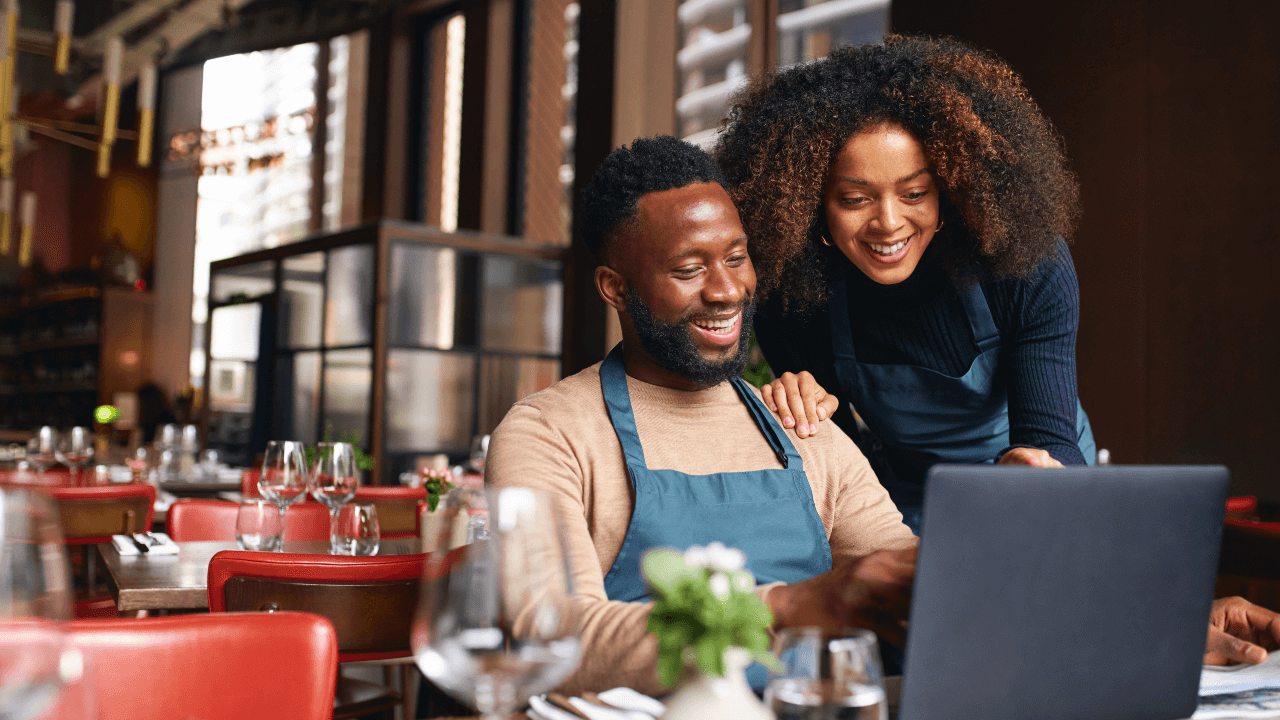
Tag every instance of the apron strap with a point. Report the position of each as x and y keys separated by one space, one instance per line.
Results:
x=778 y=442
x=613 y=381
x=980 y=319
x=841 y=329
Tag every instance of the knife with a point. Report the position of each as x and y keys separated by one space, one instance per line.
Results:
x=141 y=547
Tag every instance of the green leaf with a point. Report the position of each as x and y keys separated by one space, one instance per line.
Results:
x=664 y=568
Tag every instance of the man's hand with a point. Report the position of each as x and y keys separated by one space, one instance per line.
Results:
x=872 y=592
x=799 y=396
x=1034 y=457
x=1240 y=632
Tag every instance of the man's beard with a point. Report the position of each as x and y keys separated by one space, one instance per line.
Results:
x=673 y=347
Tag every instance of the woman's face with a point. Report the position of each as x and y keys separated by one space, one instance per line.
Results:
x=881 y=202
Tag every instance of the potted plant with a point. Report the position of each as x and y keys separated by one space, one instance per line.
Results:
x=706 y=615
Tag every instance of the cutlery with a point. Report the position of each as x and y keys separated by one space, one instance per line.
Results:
x=142 y=547
x=563 y=703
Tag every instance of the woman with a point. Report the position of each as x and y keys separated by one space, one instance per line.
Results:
x=907 y=204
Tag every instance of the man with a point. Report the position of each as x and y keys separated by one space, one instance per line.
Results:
x=659 y=445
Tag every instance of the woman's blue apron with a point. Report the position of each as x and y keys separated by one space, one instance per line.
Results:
x=767 y=514
x=920 y=417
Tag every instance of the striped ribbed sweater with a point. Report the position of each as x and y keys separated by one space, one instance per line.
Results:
x=922 y=322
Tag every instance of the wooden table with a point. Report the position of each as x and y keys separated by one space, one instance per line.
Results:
x=180 y=582
x=200 y=489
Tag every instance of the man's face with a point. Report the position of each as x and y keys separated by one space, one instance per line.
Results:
x=690 y=282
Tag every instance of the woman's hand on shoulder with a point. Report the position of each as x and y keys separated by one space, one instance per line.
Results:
x=799 y=402
x=1034 y=457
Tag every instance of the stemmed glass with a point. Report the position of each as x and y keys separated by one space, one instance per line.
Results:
x=75 y=448
x=42 y=449
x=496 y=621
x=284 y=480
x=34 y=601
x=334 y=481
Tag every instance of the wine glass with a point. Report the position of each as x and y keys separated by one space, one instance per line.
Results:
x=827 y=675
x=479 y=451
x=75 y=448
x=334 y=480
x=42 y=449
x=34 y=601
x=496 y=622
x=284 y=480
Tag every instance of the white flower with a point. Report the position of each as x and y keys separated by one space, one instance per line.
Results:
x=696 y=556
x=724 y=558
x=744 y=581
x=720 y=585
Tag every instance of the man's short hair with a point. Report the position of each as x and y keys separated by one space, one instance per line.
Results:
x=649 y=165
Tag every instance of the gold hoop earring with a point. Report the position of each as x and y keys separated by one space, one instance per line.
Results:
x=940 y=224
x=822 y=234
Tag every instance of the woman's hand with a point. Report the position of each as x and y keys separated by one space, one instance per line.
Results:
x=1035 y=457
x=799 y=396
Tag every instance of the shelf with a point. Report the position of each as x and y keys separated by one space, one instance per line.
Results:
x=60 y=343
x=30 y=389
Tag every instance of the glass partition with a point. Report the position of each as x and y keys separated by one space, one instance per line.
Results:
x=349 y=296
x=301 y=301
x=470 y=324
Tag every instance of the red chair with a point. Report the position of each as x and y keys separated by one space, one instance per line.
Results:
x=370 y=601
x=91 y=515
x=52 y=477
x=249 y=483
x=1249 y=564
x=196 y=520
x=1243 y=507
x=210 y=666
x=397 y=508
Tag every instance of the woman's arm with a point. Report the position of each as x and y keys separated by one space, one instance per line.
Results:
x=1039 y=326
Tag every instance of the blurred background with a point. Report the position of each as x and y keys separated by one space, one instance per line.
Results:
x=357 y=220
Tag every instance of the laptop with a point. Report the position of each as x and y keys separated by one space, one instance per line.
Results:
x=1070 y=594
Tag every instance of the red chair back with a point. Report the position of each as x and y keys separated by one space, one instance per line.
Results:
x=397 y=508
x=52 y=477
x=197 y=520
x=1249 y=564
x=211 y=666
x=1243 y=507
x=91 y=515
x=249 y=483
x=370 y=600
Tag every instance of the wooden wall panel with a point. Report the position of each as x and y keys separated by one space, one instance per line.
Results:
x=1215 y=229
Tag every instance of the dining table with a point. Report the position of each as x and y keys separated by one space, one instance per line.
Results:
x=180 y=582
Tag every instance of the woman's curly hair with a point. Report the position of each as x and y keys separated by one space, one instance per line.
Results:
x=1006 y=189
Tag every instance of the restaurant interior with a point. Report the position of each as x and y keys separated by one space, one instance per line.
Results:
x=244 y=235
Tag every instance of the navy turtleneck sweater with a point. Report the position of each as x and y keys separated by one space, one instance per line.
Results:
x=921 y=321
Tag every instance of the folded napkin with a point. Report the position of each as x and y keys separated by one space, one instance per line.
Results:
x=157 y=544
x=624 y=704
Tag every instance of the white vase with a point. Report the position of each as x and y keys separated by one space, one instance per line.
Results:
x=709 y=697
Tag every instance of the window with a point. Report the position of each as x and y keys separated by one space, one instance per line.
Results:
x=720 y=46
x=262 y=182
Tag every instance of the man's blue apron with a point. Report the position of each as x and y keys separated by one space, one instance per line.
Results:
x=921 y=417
x=767 y=514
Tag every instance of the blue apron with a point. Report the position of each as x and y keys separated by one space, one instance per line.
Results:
x=921 y=417
x=767 y=514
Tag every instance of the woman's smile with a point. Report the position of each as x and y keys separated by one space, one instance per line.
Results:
x=881 y=203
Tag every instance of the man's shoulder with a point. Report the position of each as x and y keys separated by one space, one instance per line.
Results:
x=567 y=395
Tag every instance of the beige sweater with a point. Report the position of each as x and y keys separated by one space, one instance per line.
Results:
x=561 y=440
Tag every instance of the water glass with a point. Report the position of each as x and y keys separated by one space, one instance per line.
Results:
x=827 y=676
x=259 y=526
x=73 y=449
x=355 y=530
x=35 y=597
